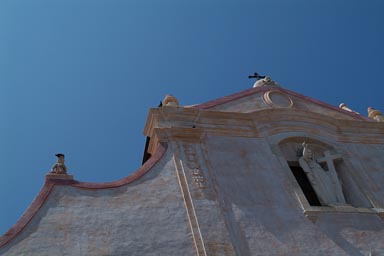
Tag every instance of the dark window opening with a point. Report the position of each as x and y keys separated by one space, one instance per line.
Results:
x=304 y=183
x=146 y=155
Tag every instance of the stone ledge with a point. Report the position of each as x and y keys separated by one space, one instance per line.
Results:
x=54 y=176
x=312 y=212
x=380 y=212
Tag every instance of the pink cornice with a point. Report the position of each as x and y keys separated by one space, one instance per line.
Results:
x=49 y=184
x=28 y=215
x=326 y=105
x=229 y=98
x=245 y=93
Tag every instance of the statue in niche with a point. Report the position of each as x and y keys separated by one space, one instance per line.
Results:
x=325 y=182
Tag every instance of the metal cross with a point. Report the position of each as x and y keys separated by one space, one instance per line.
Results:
x=328 y=158
x=257 y=76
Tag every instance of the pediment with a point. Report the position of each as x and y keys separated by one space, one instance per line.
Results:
x=275 y=97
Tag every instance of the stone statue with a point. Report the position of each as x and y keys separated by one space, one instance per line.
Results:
x=325 y=183
x=59 y=167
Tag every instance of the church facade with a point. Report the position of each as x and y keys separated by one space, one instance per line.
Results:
x=265 y=171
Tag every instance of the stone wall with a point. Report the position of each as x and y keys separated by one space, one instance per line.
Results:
x=146 y=217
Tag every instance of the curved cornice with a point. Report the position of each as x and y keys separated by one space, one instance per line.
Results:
x=49 y=184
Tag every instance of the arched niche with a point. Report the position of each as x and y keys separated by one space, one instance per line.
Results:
x=291 y=150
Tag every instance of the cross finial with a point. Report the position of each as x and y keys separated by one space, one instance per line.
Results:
x=256 y=75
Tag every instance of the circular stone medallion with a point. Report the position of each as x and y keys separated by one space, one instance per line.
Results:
x=275 y=98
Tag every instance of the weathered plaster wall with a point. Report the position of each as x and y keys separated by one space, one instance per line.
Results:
x=225 y=187
x=205 y=211
x=264 y=215
x=146 y=217
x=355 y=233
x=368 y=163
x=261 y=211
x=249 y=188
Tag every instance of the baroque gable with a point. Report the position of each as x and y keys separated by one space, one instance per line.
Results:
x=276 y=97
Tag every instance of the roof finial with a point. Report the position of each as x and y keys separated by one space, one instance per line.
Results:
x=262 y=80
x=170 y=101
x=375 y=114
x=345 y=107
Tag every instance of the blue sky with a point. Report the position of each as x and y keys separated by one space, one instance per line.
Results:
x=79 y=77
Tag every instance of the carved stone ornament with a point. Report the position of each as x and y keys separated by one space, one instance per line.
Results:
x=375 y=114
x=346 y=108
x=275 y=98
x=267 y=81
x=198 y=178
x=194 y=166
x=170 y=101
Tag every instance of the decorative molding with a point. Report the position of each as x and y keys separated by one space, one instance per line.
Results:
x=276 y=98
x=229 y=98
x=223 y=100
x=198 y=177
x=263 y=123
x=194 y=166
x=188 y=202
x=56 y=176
x=313 y=212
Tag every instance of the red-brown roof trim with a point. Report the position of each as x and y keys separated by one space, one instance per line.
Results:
x=245 y=93
x=49 y=184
